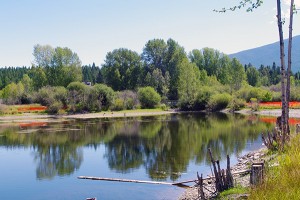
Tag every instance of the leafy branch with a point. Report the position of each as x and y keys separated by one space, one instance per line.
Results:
x=251 y=5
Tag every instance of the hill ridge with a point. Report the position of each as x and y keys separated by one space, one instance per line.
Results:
x=269 y=53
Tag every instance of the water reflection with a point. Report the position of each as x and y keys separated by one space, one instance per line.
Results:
x=163 y=145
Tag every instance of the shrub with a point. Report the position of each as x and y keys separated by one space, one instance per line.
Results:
x=218 y=102
x=148 y=97
x=3 y=109
x=118 y=104
x=254 y=104
x=248 y=92
x=54 y=107
x=163 y=107
x=101 y=97
x=237 y=104
x=203 y=97
x=130 y=99
x=45 y=96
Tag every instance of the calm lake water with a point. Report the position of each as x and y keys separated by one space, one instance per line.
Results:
x=43 y=160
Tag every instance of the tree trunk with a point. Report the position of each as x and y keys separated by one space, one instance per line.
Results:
x=282 y=60
x=288 y=83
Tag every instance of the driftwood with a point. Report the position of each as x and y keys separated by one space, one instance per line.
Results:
x=224 y=180
x=200 y=189
x=123 y=180
x=180 y=184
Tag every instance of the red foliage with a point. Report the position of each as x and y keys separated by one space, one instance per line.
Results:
x=272 y=120
x=31 y=108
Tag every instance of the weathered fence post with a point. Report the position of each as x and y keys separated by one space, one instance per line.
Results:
x=224 y=180
x=257 y=173
x=200 y=183
x=297 y=128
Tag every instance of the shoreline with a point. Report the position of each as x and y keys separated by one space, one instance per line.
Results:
x=293 y=113
x=239 y=179
x=30 y=117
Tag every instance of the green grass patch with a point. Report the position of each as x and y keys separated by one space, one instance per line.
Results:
x=282 y=182
x=235 y=190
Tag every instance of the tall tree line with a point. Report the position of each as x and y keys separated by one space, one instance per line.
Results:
x=160 y=66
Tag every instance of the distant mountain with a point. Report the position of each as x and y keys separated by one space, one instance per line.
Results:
x=266 y=55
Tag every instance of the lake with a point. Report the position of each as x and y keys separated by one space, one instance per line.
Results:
x=43 y=160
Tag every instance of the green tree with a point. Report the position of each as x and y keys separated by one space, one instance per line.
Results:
x=122 y=69
x=252 y=76
x=210 y=61
x=27 y=83
x=148 y=97
x=237 y=75
x=196 y=57
x=189 y=82
x=13 y=93
x=174 y=57
x=154 y=55
x=39 y=77
x=61 y=65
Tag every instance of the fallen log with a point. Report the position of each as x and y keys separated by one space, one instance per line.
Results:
x=179 y=184
x=123 y=180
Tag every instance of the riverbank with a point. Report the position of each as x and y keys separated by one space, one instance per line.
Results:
x=30 y=117
x=240 y=179
x=293 y=113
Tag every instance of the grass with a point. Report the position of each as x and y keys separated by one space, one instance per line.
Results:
x=233 y=191
x=282 y=182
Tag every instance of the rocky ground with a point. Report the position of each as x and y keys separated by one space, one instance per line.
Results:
x=241 y=179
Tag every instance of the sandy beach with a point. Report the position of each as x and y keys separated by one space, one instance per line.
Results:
x=29 y=117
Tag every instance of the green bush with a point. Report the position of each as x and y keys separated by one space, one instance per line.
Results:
x=203 y=97
x=3 y=109
x=163 y=107
x=148 y=97
x=254 y=104
x=45 y=96
x=54 y=107
x=248 y=92
x=130 y=99
x=237 y=104
x=101 y=97
x=218 y=102
x=118 y=104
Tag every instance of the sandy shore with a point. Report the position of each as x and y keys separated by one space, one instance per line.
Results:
x=294 y=113
x=30 y=117
x=116 y=114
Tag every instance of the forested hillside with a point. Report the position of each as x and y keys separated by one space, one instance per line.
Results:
x=267 y=54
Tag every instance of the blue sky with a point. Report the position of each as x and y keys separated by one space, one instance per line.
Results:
x=91 y=28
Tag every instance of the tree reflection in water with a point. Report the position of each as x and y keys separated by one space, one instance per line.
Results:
x=163 y=145
x=57 y=160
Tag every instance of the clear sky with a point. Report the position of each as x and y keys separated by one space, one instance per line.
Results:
x=91 y=28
